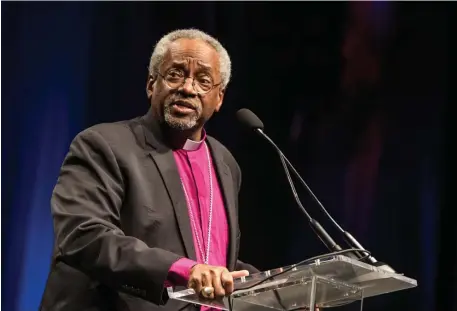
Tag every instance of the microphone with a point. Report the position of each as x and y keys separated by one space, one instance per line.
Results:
x=247 y=118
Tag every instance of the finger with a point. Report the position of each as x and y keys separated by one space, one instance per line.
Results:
x=195 y=282
x=217 y=284
x=238 y=274
x=227 y=282
x=207 y=282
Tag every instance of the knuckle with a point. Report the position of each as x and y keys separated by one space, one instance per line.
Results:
x=221 y=270
x=206 y=273
x=196 y=279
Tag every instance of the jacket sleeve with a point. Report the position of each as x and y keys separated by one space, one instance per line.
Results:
x=86 y=204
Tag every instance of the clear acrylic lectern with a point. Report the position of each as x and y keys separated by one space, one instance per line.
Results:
x=327 y=282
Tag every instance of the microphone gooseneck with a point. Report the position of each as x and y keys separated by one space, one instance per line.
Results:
x=315 y=225
x=250 y=120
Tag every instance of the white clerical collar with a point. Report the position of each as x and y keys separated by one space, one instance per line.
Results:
x=192 y=145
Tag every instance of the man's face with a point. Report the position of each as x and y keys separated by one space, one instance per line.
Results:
x=179 y=105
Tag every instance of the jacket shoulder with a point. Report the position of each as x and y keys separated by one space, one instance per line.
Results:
x=113 y=133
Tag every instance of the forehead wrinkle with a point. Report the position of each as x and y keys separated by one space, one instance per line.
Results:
x=187 y=60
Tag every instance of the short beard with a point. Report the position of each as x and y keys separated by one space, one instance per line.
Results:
x=184 y=123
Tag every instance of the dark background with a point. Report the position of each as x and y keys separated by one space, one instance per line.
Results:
x=354 y=93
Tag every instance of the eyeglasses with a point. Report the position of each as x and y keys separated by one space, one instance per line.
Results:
x=175 y=78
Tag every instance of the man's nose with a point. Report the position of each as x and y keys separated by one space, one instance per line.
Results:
x=188 y=86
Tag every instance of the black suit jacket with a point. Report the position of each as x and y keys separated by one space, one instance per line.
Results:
x=121 y=219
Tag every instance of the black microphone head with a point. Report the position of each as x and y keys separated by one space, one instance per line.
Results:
x=249 y=119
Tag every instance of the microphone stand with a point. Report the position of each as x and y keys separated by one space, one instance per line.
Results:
x=317 y=228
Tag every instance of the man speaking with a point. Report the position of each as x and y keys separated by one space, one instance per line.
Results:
x=151 y=202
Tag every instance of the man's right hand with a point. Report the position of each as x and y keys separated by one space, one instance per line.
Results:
x=218 y=278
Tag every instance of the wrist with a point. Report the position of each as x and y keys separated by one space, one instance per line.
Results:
x=195 y=266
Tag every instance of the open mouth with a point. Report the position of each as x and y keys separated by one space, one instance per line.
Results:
x=184 y=104
x=183 y=107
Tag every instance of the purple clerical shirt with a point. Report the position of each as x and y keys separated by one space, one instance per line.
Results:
x=192 y=163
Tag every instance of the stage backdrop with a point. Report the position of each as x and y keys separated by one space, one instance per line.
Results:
x=353 y=92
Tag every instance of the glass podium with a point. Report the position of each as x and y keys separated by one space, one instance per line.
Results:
x=327 y=282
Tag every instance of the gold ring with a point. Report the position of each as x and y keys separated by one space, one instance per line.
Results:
x=207 y=291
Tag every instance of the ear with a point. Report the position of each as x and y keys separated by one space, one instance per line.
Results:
x=220 y=98
x=150 y=86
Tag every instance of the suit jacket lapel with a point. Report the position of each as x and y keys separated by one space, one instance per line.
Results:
x=165 y=162
x=226 y=183
x=166 y=165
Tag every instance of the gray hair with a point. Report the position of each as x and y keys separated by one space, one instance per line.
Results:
x=162 y=47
